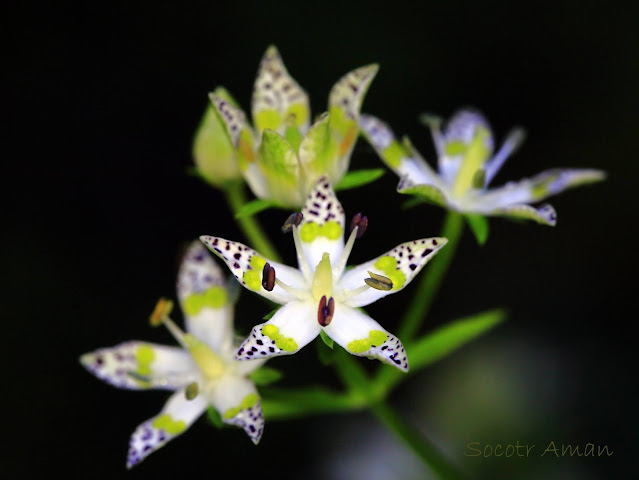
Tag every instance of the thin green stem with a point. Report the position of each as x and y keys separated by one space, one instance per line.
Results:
x=236 y=197
x=418 y=443
x=432 y=278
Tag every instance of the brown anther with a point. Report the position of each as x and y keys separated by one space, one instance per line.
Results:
x=359 y=221
x=162 y=309
x=294 y=219
x=379 y=282
x=191 y=391
x=325 y=311
x=268 y=277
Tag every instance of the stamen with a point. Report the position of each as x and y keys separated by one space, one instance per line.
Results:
x=325 y=311
x=162 y=309
x=160 y=316
x=191 y=391
x=339 y=267
x=361 y=222
x=268 y=277
x=351 y=293
x=296 y=292
x=379 y=282
x=294 y=219
x=301 y=258
x=479 y=179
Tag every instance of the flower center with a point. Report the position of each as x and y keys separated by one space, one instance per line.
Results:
x=209 y=363
x=323 y=279
x=475 y=155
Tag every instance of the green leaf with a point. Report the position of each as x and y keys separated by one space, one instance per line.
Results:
x=479 y=225
x=265 y=376
x=254 y=206
x=326 y=339
x=214 y=417
x=357 y=178
x=450 y=337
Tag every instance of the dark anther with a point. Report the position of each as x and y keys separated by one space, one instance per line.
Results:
x=293 y=219
x=325 y=311
x=379 y=282
x=268 y=277
x=359 y=221
x=191 y=391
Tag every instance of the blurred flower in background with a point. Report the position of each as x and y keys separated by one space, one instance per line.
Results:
x=466 y=166
x=281 y=155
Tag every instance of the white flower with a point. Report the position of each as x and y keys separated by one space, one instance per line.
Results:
x=321 y=294
x=203 y=372
x=466 y=167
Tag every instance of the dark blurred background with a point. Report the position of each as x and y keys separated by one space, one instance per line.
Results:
x=100 y=108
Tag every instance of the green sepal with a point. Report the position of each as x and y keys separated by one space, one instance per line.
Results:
x=326 y=339
x=214 y=417
x=479 y=225
x=280 y=165
x=304 y=401
x=265 y=376
x=450 y=337
x=270 y=314
x=254 y=206
x=428 y=193
x=413 y=202
x=358 y=178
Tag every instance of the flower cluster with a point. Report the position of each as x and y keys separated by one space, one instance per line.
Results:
x=295 y=164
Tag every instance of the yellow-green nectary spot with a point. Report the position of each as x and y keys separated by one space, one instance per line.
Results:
x=214 y=297
x=253 y=277
x=285 y=343
x=144 y=356
x=268 y=119
x=247 y=402
x=388 y=265
x=393 y=154
x=311 y=230
x=166 y=423
x=375 y=339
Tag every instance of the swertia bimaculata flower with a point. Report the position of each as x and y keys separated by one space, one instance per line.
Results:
x=321 y=295
x=281 y=155
x=203 y=372
x=466 y=166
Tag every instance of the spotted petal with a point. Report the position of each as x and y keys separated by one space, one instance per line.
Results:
x=237 y=401
x=322 y=228
x=278 y=101
x=539 y=187
x=140 y=365
x=177 y=415
x=291 y=328
x=360 y=335
x=400 y=265
x=402 y=158
x=247 y=266
x=545 y=214
x=237 y=128
x=201 y=288
x=344 y=103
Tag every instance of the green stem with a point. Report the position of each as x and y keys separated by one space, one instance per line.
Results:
x=432 y=279
x=429 y=453
x=236 y=197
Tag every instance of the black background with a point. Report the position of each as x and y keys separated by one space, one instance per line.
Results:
x=100 y=108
